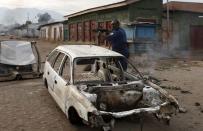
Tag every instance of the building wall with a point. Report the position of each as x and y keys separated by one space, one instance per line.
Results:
x=104 y=15
x=44 y=33
x=181 y=23
x=81 y=27
x=148 y=11
x=52 y=32
x=59 y=32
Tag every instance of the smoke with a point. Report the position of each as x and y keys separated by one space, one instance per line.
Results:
x=44 y=18
x=152 y=59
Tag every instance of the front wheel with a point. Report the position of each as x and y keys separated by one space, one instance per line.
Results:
x=45 y=83
x=74 y=118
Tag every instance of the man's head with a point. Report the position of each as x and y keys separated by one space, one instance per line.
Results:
x=115 y=24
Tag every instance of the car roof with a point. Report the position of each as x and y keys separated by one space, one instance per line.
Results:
x=86 y=51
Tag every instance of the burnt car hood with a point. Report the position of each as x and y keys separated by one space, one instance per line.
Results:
x=132 y=98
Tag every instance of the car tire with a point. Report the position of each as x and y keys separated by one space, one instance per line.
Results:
x=74 y=118
x=18 y=77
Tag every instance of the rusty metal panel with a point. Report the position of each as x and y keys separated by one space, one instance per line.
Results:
x=108 y=25
x=102 y=25
x=80 y=32
x=87 y=30
x=73 y=32
x=71 y=36
x=101 y=37
x=109 y=28
x=93 y=26
x=196 y=37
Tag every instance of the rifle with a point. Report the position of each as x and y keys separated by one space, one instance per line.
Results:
x=101 y=30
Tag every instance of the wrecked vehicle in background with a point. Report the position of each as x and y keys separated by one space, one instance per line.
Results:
x=89 y=84
x=19 y=60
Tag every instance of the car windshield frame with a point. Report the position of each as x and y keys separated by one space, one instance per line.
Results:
x=104 y=57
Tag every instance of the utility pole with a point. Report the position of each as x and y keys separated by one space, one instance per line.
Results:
x=168 y=23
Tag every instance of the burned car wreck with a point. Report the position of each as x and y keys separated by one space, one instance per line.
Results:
x=19 y=60
x=90 y=85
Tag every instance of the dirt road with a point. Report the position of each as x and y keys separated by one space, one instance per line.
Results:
x=27 y=106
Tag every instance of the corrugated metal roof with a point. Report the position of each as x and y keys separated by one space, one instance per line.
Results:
x=86 y=51
x=110 y=6
x=185 y=6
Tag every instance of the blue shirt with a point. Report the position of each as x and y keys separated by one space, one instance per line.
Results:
x=118 y=40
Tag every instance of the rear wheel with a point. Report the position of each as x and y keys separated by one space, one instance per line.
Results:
x=18 y=77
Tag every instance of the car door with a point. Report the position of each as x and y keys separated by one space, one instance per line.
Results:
x=62 y=81
x=49 y=71
x=54 y=74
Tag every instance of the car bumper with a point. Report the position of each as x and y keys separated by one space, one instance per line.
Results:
x=105 y=119
x=149 y=110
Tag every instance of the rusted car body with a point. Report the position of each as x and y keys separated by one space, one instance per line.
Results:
x=19 y=60
x=90 y=85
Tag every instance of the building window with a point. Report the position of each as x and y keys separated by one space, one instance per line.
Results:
x=145 y=31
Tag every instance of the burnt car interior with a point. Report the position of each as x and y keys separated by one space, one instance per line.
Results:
x=102 y=70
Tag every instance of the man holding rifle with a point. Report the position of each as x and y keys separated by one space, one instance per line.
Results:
x=118 y=41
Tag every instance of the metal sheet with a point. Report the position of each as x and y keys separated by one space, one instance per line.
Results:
x=93 y=26
x=71 y=35
x=108 y=27
x=16 y=53
x=73 y=32
x=80 y=32
x=87 y=30
x=101 y=40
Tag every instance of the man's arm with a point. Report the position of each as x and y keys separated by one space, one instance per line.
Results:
x=112 y=36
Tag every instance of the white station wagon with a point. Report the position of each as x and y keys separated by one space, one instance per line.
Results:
x=90 y=86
